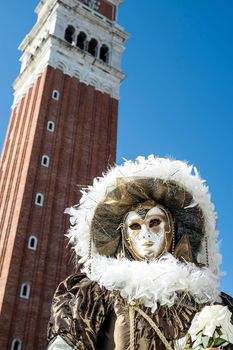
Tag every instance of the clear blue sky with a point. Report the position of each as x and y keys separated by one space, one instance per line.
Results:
x=177 y=99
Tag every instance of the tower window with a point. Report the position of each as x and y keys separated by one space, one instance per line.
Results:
x=39 y=199
x=32 y=242
x=51 y=126
x=25 y=291
x=16 y=344
x=81 y=40
x=55 y=95
x=45 y=161
x=69 y=34
x=104 y=53
x=92 y=47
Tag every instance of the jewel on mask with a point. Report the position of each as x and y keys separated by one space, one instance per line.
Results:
x=141 y=211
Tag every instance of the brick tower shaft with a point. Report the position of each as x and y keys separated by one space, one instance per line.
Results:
x=62 y=134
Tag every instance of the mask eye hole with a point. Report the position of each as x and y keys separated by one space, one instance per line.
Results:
x=135 y=226
x=154 y=223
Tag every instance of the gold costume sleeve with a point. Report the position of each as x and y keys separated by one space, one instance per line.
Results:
x=78 y=310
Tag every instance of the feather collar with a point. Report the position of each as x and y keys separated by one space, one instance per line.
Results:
x=156 y=283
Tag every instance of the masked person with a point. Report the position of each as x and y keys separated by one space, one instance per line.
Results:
x=146 y=240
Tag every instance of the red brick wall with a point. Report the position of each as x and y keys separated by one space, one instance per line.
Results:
x=106 y=9
x=82 y=146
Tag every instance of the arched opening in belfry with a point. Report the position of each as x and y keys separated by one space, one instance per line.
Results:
x=81 y=40
x=69 y=34
x=104 y=53
x=93 y=47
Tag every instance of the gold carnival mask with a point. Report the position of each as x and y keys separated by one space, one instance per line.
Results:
x=148 y=231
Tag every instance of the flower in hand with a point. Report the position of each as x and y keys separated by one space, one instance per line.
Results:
x=211 y=328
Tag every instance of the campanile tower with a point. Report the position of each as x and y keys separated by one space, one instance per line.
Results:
x=62 y=132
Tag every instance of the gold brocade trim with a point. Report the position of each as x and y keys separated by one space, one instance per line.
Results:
x=132 y=309
x=132 y=326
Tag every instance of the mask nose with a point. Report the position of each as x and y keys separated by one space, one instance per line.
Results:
x=145 y=234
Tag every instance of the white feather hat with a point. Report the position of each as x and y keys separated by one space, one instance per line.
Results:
x=166 y=170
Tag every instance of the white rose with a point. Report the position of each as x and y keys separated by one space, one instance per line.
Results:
x=206 y=322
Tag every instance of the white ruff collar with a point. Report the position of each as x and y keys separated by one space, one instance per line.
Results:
x=157 y=282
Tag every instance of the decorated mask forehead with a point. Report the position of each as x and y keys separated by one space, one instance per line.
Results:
x=157 y=211
x=146 y=229
x=139 y=215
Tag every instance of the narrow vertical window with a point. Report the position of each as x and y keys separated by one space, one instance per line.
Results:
x=39 y=199
x=51 y=126
x=104 y=53
x=69 y=34
x=25 y=291
x=93 y=47
x=16 y=344
x=55 y=95
x=81 y=40
x=45 y=161
x=32 y=243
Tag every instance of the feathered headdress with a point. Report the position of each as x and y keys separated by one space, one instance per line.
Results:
x=171 y=183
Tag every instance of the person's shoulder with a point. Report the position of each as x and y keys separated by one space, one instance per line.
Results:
x=79 y=282
x=76 y=278
x=73 y=282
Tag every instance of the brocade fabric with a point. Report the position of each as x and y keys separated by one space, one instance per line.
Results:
x=87 y=317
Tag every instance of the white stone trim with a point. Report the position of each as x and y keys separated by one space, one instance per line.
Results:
x=52 y=129
x=115 y=2
x=73 y=62
x=70 y=12
x=41 y=4
x=14 y=341
x=55 y=95
x=45 y=46
x=41 y=202
x=45 y=161
x=32 y=72
x=30 y=245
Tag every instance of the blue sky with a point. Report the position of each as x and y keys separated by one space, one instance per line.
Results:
x=177 y=98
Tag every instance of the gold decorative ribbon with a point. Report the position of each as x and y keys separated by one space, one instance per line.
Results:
x=132 y=309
